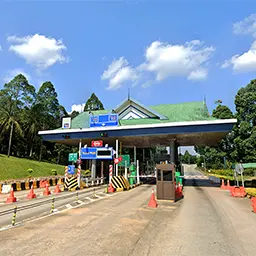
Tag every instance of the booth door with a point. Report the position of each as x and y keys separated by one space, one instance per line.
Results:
x=168 y=184
x=165 y=184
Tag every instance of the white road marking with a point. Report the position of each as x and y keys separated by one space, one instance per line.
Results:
x=69 y=206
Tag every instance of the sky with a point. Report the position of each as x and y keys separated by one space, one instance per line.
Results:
x=163 y=51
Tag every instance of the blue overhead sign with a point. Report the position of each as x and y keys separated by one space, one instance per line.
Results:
x=97 y=153
x=104 y=120
x=71 y=169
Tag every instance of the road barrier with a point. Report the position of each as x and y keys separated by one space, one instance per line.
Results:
x=214 y=179
x=119 y=183
x=253 y=199
x=26 y=185
x=70 y=183
x=237 y=191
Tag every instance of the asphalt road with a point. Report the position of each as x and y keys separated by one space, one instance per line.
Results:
x=208 y=221
x=190 y=171
x=42 y=205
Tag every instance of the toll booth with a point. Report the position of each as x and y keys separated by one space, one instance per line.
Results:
x=165 y=182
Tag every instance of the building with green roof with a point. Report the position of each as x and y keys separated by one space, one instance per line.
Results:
x=147 y=126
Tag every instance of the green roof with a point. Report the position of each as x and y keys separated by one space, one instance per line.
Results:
x=190 y=111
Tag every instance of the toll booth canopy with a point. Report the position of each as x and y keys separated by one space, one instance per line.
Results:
x=165 y=183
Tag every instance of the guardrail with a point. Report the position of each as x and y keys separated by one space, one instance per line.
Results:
x=214 y=179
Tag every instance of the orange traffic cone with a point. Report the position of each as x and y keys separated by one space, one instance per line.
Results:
x=57 y=189
x=228 y=185
x=47 y=191
x=31 y=193
x=152 y=202
x=111 y=188
x=222 y=184
x=11 y=198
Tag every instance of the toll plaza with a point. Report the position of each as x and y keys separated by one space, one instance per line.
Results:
x=102 y=134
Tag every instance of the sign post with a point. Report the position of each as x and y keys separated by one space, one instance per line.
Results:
x=125 y=170
x=117 y=157
x=110 y=173
x=102 y=172
x=138 y=172
x=79 y=166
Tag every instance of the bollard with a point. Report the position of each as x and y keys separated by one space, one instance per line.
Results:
x=77 y=197
x=52 y=210
x=14 y=215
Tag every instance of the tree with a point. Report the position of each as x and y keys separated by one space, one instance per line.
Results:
x=16 y=97
x=187 y=158
x=74 y=114
x=214 y=156
x=93 y=103
x=244 y=132
x=222 y=112
x=50 y=116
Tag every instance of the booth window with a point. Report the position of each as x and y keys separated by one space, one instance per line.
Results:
x=159 y=175
x=167 y=175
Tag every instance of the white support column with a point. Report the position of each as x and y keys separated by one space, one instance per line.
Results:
x=79 y=166
x=116 y=157
x=102 y=172
x=138 y=172
x=125 y=170
x=93 y=171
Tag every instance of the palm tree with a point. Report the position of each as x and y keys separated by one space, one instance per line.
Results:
x=8 y=120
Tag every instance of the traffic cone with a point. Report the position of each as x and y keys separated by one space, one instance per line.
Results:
x=152 y=202
x=11 y=198
x=57 y=189
x=31 y=193
x=111 y=188
x=228 y=185
x=222 y=184
x=47 y=191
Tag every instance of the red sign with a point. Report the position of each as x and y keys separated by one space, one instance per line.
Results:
x=118 y=160
x=97 y=143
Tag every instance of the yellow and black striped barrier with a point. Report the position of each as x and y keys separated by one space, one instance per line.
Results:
x=120 y=183
x=71 y=183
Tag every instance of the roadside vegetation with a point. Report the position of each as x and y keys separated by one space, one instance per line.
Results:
x=18 y=168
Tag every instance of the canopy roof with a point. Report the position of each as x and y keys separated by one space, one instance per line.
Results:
x=187 y=123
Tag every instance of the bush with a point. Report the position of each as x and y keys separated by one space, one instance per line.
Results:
x=29 y=171
x=54 y=172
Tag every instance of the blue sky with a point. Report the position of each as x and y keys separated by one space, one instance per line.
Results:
x=165 y=51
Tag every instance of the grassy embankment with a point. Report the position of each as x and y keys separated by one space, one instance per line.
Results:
x=16 y=168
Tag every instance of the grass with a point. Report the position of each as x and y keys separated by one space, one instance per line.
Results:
x=16 y=168
x=251 y=191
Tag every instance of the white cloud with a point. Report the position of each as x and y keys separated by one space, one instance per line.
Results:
x=118 y=73
x=245 y=62
x=79 y=108
x=167 y=60
x=162 y=60
x=9 y=75
x=38 y=50
x=246 y=26
x=199 y=74
x=0 y=48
